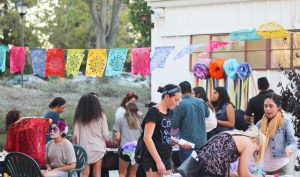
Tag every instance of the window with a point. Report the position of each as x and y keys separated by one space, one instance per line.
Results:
x=261 y=54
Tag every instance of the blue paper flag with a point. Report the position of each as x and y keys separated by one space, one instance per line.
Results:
x=38 y=57
x=187 y=50
x=3 y=50
x=116 y=60
x=244 y=35
x=159 y=57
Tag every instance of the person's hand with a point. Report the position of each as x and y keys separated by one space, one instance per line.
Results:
x=161 y=168
x=50 y=121
x=186 y=144
x=288 y=151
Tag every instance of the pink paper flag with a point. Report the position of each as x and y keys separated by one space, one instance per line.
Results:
x=17 y=59
x=140 y=61
x=213 y=45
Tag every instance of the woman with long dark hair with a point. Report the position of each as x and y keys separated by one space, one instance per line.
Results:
x=224 y=109
x=91 y=131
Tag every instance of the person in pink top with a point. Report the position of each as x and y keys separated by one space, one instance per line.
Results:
x=91 y=131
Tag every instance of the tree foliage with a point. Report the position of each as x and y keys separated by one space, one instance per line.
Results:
x=291 y=101
x=140 y=17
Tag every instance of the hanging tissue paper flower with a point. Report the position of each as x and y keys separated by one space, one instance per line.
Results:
x=230 y=67
x=129 y=149
x=201 y=68
x=244 y=70
x=216 y=69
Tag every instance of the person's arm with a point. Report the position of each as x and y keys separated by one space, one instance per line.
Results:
x=290 y=139
x=230 y=116
x=148 y=133
x=105 y=131
x=117 y=129
x=118 y=136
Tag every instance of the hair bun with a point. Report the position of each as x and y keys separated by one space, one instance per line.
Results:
x=160 y=89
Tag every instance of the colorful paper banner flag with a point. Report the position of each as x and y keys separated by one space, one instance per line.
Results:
x=140 y=61
x=272 y=30
x=38 y=57
x=244 y=35
x=3 y=50
x=159 y=57
x=213 y=45
x=74 y=60
x=17 y=59
x=116 y=60
x=96 y=62
x=55 y=63
x=187 y=50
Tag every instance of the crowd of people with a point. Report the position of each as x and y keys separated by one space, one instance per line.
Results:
x=184 y=117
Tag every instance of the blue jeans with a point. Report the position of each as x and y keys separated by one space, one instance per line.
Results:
x=184 y=154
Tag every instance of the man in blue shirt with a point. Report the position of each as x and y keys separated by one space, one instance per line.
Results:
x=189 y=117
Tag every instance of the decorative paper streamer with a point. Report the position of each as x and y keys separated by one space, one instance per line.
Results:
x=96 y=62
x=116 y=60
x=213 y=45
x=272 y=30
x=3 y=50
x=216 y=68
x=55 y=63
x=244 y=70
x=140 y=61
x=38 y=57
x=74 y=60
x=201 y=69
x=187 y=50
x=159 y=57
x=17 y=59
x=230 y=67
x=244 y=35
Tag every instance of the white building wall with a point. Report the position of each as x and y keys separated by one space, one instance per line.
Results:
x=175 y=20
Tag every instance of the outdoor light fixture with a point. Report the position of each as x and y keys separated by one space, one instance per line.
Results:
x=22 y=8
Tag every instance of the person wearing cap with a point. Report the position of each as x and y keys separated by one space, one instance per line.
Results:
x=131 y=97
x=255 y=106
x=60 y=152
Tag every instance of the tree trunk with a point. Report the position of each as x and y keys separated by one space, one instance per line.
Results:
x=105 y=33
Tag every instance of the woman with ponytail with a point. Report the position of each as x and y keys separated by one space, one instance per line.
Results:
x=156 y=158
x=128 y=130
x=279 y=132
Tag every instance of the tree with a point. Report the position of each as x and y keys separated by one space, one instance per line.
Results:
x=140 y=17
x=291 y=101
x=106 y=24
x=72 y=26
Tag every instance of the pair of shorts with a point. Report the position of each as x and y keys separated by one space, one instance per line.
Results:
x=124 y=157
x=150 y=164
